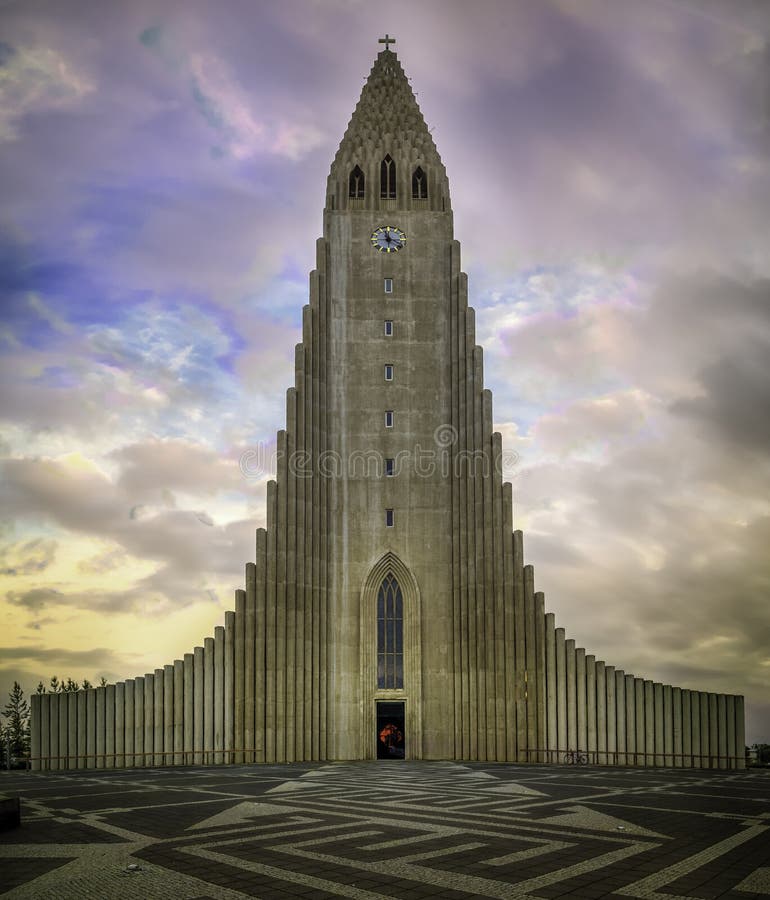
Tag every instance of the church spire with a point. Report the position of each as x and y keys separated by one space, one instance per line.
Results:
x=387 y=158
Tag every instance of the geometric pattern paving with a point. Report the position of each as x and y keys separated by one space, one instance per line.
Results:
x=401 y=829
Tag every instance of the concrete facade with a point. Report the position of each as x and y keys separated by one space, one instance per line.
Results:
x=388 y=470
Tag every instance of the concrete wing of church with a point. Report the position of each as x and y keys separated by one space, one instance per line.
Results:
x=388 y=612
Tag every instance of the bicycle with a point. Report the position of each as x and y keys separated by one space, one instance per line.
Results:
x=576 y=758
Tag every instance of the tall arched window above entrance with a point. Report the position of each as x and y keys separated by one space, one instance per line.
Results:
x=390 y=635
x=387 y=178
x=419 y=185
x=356 y=183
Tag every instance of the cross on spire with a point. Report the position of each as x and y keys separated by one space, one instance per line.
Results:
x=386 y=40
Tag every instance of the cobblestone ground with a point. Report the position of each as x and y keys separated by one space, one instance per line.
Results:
x=387 y=829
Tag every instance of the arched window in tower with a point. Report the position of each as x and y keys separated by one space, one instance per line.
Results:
x=419 y=185
x=387 y=179
x=356 y=183
x=390 y=635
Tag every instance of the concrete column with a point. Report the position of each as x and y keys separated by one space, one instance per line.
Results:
x=572 y=718
x=551 y=689
x=53 y=730
x=189 y=709
x=580 y=681
x=259 y=654
x=289 y=580
x=109 y=726
x=249 y=672
x=101 y=726
x=169 y=714
x=732 y=750
x=229 y=688
x=641 y=731
x=600 y=699
x=90 y=728
x=239 y=680
x=158 y=685
x=540 y=685
x=208 y=700
x=149 y=719
x=686 y=730
x=62 y=729
x=80 y=703
x=591 y=735
x=219 y=694
x=72 y=730
x=510 y=628
x=706 y=749
x=740 y=732
x=139 y=721
x=302 y=745
x=708 y=746
x=120 y=725
x=713 y=731
x=476 y=588
x=129 y=739
x=695 y=728
x=562 y=740
x=499 y=533
x=178 y=759
x=45 y=732
x=613 y=724
x=198 y=725
x=657 y=707
x=531 y=651
x=668 y=725
x=722 y=731
x=649 y=723
x=35 y=749
x=631 y=733
x=676 y=703
x=322 y=496
x=520 y=653
x=279 y=527
x=625 y=716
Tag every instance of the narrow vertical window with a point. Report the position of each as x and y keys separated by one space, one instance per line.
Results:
x=388 y=328
x=388 y=418
x=389 y=518
x=356 y=183
x=419 y=185
x=390 y=635
x=388 y=179
x=388 y=373
x=390 y=467
x=388 y=285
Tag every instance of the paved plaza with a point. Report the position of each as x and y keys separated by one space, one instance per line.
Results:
x=388 y=829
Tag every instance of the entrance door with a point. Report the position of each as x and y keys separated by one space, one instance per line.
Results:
x=391 y=736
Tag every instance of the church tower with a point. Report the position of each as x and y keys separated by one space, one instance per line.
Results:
x=388 y=612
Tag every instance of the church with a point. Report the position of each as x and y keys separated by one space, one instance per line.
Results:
x=388 y=612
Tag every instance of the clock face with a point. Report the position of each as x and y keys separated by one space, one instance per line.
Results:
x=388 y=239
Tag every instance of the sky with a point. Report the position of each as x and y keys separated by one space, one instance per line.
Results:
x=164 y=167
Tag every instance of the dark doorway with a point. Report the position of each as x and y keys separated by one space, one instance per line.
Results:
x=391 y=742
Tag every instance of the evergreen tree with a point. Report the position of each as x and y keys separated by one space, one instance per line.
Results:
x=71 y=686
x=16 y=729
x=86 y=684
x=40 y=688
x=55 y=685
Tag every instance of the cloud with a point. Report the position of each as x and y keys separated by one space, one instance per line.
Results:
x=33 y=80
x=736 y=398
x=227 y=108
x=27 y=557
x=35 y=599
